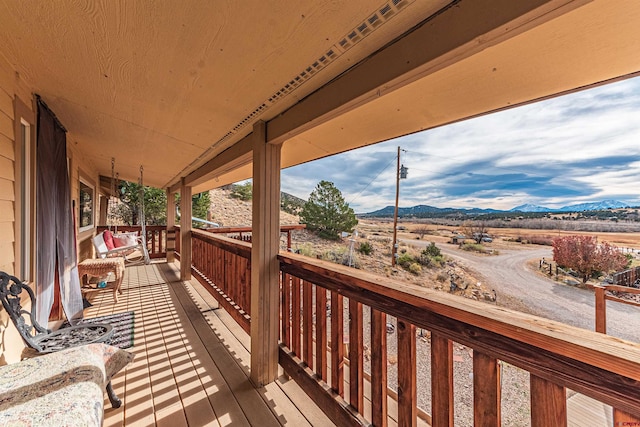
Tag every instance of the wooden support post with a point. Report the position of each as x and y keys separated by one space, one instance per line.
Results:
x=486 y=390
x=441 y=381
x=104 y=210
x=548 y=403
x=171 y=226
x=407 y=382
x=185 y=231
x=601 y=310
x=265 y=268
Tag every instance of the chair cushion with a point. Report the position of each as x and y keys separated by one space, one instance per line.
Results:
x=108 y=239
x=60 y=389
x=125 y=239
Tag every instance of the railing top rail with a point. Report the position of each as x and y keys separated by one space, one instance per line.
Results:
x=602 y=366
x=130 y=227
x=248 y=229
x=228 y=244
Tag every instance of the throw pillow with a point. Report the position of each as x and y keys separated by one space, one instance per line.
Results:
x=108 y=239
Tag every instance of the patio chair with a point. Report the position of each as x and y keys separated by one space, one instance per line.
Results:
x=128 y=245
x=43 y=340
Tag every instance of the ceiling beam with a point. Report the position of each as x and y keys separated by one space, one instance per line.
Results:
x=462 y=29
x=233 y=157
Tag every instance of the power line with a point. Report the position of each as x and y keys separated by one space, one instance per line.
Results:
x=371 y=182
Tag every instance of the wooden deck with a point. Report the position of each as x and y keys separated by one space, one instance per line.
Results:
x=191 y=364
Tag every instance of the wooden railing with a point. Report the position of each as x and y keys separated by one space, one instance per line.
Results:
x=156 y=237
x=244 y=233
x=223 y=266
x=627 y=277
x=322 y=304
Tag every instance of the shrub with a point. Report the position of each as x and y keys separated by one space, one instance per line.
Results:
x=474 y=247
x=405 y=260
x=432 y=250
x=306 y=249
x=341 y=256
x=242 y=191
x=415 y=268
x=365 y=248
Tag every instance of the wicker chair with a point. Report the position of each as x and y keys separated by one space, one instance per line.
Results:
x=44 y=340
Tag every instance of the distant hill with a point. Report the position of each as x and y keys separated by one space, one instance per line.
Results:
x=422 y=211
x=426 y=211
x=528 y=207
x=596 y=206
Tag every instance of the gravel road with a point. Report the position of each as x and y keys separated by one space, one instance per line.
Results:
x=510 y=276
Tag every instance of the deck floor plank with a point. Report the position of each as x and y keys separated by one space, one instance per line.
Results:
x=183 y=373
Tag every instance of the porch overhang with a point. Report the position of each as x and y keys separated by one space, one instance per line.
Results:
x=177 y=87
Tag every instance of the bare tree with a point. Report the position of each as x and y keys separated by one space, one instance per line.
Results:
x=421 y=231
x=475 y=230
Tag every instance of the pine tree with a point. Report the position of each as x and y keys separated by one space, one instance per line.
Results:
x=327 y=213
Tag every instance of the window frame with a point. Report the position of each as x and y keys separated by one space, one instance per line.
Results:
x=84 y=180
x=25 y=192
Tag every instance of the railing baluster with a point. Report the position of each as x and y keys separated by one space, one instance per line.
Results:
x=378 y=368
x=356 y=377
x=295 y=317
x=407 y=387
x=285 y=307
x=307 y=331
x=486 y=390
x=337 y=344
x=548 y=403
x=321 y=333
x=441 y=381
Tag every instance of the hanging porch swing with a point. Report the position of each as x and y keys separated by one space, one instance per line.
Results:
x=130 y=245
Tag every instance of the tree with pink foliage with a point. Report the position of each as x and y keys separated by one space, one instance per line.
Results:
x=586 y=256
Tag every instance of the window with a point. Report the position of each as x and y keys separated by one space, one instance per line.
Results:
x=24 y=190
x=86 y=205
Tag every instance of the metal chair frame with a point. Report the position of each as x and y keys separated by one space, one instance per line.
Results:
x=44 y=340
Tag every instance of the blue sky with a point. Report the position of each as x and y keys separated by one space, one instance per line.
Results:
x=579 y=148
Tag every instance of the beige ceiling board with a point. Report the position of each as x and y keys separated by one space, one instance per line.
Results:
x=592 y=44
x=187 y=75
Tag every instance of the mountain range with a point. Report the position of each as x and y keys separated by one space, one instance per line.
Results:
x=424 y=210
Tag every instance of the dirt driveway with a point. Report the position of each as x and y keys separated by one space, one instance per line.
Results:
x=516 y=284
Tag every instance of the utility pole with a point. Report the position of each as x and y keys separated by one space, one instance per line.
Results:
x=401 y=173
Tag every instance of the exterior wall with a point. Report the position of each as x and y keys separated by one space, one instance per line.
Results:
x=11 y=87
x=79 y=166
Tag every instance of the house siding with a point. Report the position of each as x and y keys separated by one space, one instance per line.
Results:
x=11 y=86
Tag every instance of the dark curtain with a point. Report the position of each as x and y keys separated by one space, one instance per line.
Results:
x=55 y=228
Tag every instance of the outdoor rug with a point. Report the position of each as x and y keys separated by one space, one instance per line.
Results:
x=122 y=327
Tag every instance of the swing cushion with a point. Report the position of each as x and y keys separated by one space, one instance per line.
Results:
x=125 y=239
x=108 y=239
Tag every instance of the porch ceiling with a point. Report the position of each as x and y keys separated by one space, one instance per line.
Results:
x=171 y=85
